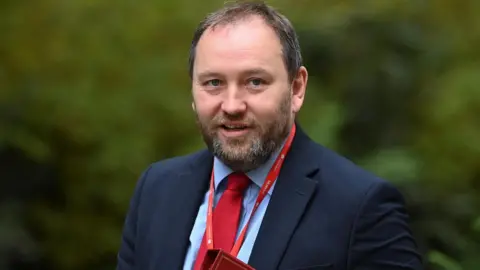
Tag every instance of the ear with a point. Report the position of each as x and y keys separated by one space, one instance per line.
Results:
x=299 y=86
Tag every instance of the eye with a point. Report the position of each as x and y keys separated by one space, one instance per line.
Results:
x=213 y=83
x=256 y=82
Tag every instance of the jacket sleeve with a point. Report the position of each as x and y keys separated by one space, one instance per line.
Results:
x=126 y=254
x=381 y=237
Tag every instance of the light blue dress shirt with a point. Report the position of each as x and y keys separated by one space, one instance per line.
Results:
x=221 y=171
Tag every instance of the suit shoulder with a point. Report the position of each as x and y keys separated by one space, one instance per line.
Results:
x=346 y=175
x=350 y=186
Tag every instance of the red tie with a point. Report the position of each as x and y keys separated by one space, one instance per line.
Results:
x=226 y=216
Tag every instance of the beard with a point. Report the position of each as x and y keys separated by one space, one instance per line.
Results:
x=250 y=151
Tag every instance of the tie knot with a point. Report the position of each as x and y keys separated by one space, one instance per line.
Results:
x=238 y=182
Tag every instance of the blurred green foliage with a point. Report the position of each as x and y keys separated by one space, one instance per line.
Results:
x=91 y=92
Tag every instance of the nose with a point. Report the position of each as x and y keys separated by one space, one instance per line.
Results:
x=233 y=102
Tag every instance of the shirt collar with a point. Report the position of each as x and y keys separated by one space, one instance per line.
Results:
x=257 y=176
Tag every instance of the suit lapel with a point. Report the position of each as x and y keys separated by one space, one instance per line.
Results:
x=188 y=188
x=289 y=200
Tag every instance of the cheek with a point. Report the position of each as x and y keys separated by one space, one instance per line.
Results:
x=268 y=106
x=205 y=106
x=264 y=110
x=204 y=112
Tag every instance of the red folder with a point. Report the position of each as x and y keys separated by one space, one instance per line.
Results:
x=217 y=259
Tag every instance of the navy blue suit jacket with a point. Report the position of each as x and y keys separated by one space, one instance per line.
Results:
x=324 y=213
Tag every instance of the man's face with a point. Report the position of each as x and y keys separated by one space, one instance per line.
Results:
x=241 y=93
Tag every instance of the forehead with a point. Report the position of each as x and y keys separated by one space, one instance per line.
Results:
x=245 y=44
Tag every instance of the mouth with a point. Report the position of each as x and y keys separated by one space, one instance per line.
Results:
x=234 y=127
x=234 y=130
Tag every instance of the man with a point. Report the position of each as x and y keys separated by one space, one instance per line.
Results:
x=320 y=212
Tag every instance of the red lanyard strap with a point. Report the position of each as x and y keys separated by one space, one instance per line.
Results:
x=269 y=181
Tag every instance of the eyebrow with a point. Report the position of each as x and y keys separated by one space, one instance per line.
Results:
x=260 y=71
x=208 y=74
x=255 y=71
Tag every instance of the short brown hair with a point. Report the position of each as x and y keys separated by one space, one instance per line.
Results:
x=236 y=11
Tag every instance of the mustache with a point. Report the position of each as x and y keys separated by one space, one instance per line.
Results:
x=238 y=120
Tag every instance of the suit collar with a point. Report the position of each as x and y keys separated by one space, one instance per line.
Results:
x=294 y=189
x=188 y=189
